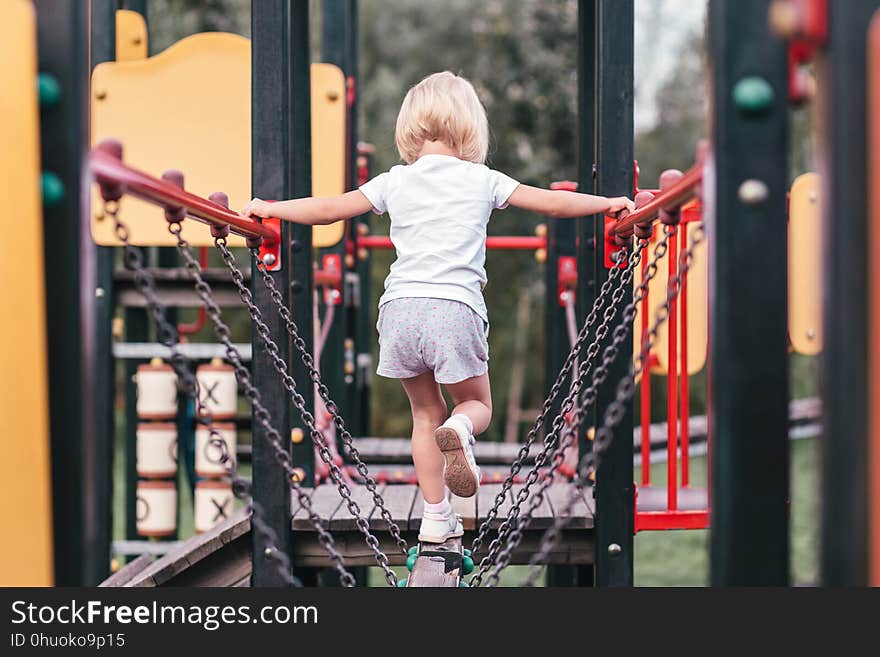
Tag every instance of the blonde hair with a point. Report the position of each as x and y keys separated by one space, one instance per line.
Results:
x=443 y=107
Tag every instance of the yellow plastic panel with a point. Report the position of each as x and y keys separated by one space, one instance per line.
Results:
x=131 y=36
x=189 y=108
x=697 y=308
x=25 y=488
x=805 y=265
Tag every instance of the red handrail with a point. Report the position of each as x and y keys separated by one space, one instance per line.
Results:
x=109 y=169
x=672 y=199
x=500 y=243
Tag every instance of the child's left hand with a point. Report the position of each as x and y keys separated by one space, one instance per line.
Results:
x=257 y=208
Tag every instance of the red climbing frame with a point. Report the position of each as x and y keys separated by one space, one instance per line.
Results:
x=678 y=383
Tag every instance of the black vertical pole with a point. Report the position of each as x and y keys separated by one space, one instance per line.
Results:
x=614 y=177
x=103 y=49
x=586 y=228
x=272 y=62
x=80 y=558
x=300 y=257
x=842 y=70
x=336 y=50
x=339 y=45
x=749 y=338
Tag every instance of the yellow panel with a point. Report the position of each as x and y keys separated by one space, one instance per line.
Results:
x=189 y=108
x=805 y=265
x=697 y=308
x=25 y=488
x=328 y=143
x=131 y=36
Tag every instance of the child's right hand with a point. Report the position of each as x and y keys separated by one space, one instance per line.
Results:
x=257 y=208
x=619 y=204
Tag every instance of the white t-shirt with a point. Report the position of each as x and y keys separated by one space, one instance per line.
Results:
x=439 y=208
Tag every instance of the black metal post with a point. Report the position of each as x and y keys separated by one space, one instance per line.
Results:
x=273 y=143
x=749 y=334
x=614 y=177
x=336 y=50
x=103 y=49
x=843 y=75
x=80 y=553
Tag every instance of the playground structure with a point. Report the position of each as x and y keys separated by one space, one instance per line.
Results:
x=636 y=286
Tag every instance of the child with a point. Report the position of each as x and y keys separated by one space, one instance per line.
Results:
x=433 y=323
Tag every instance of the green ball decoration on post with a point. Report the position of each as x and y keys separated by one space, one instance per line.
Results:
x=413 y=550
x=52 y=189
x=753 y=94
x=463 y=585
x=467 y=564
x=411 y=561
x=48 y=89
x=468 y=553
x=401 y=583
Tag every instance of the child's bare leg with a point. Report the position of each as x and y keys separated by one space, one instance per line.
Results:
x=473 y=398
x=429 y=412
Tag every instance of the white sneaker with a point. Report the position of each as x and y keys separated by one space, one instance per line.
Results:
x=439 y=528
x=456 y=442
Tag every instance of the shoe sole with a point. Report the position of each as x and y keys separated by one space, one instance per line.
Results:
x=459 y=476
x=440 y=539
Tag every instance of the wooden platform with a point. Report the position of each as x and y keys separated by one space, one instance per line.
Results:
x=222 y=557
x=405 y=504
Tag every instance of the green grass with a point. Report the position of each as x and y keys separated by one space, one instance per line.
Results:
x=681 y=558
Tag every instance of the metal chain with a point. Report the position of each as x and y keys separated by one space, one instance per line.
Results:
x=589 y=398
x=315 y=375
x=167 y=335
x=561 y=380
x=617 y=409
x=282 y=455
x=299 y=402
x=552 y=452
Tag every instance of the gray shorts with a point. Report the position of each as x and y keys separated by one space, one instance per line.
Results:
x=421 y=334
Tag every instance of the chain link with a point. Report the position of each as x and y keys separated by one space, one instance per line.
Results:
x=309 y=363
x=261 y=413
x=553 y=453
x=299 y=402
x=617 y=409
x=167 y=335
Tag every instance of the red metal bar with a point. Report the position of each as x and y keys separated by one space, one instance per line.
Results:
x=501 y=243
x=685 y=401
x=672 y=199
x=672 y=386
x=645 y=389
x=108 y=169
x=202 y=318
x=662 y=520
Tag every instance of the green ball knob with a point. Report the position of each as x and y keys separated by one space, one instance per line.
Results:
x=48 y=89
x=52 y=189
x=468 y=553
x=467 y=564
x=401 y=583
x=411 y=561
x=463 y=585
x=413 y=550
x=753 y=94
